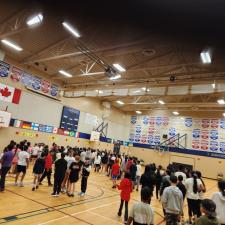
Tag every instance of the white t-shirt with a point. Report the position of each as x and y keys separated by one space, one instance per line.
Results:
x=69 y=160
x=189 y=186
x=22 y=156
x=219 y=200
x=82 y=156
x=97 y=160
x=138 y=173
x=179 y=173
x=35 y=150
x=142 y=213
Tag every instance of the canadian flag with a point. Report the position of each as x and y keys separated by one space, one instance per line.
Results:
x=9 y=94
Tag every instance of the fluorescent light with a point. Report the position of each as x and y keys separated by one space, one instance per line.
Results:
x=71 y=29
x=100 y=92
x=35 y=20
x=221 y=101
x=119 y=67
x=138 y=112
x=115 y=77
x=120 y=102
x=148 y=89
x=205 y=57
x=65 y=73
x=213 y=85
x=12 y=45
x=144 y=88
x=175 y=113
x=161 y=102
x=224 y=114
x=138 y=91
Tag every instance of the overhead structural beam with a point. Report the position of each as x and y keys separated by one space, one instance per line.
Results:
x=38 y=57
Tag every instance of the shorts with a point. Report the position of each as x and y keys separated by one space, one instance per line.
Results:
x=172 y=219
x=193 y=207
x=21 y=169
x=114 y=177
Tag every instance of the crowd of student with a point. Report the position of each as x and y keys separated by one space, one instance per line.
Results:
x=171 y=187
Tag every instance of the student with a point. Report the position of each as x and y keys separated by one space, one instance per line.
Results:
x=6 y=162
x=193 y=186
x=133 y=171
x=141 y=212
x=138 y=174
x=172 y=200
x=15 y=159
x=69 y=158
x=38 y=169
x=48 y=167
x=74 y=171
x=219 y=199
x=147 y=180
x=83 y=155
x=158 y=180
x=23 y=164
x=34 y=152
x=180 y=172
x=60 y=171
x=181 y=186
x=126 y=188
x=85 y=174
x=115 y=173
x=208 y=208
x=104 y=161
x=97 y=162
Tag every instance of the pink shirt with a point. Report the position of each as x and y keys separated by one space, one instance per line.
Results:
x=15 y=158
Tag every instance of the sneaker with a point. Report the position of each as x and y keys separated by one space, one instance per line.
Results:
x=137 y=189
x=79 y=193
x=125 y=222
x=37 y=187
x=119 y=214
x=82 y=194
x=50 y=185
x=54 y=195
x=16 y=184
x=71 y=195
x=21 y=185
x=33 y=188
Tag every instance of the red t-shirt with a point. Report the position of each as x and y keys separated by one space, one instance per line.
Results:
x=126 y=188
x=48 y=161
x=115 y=169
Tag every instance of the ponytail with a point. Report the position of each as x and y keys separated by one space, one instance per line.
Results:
x=221 y=185
x=195 y=184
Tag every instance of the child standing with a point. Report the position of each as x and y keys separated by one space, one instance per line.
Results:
x=181 y=186
x=38 y=169
x=138 y=175
x=126 y=188
x=85 y=174
x=115 y=173
x=74 y=170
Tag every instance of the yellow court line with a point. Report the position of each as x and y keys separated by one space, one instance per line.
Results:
x=73 y=214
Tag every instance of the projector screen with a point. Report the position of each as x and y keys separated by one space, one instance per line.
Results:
x=4 y=118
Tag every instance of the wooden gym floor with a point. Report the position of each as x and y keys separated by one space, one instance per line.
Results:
x=21 y=206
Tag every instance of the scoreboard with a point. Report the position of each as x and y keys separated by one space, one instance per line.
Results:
x=69 y=119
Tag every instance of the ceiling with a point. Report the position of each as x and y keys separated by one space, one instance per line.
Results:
x=153 y=41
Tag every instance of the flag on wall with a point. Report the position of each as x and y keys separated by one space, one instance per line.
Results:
x=9 y=94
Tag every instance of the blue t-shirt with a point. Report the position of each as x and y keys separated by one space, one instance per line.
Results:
x=7 y=159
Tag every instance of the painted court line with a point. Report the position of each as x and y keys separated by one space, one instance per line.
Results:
x=73 y=214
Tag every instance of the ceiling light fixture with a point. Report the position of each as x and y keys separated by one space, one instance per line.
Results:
x=205 y=57
x=35 y=20
x=148 y=89
x=161 y=102
x=144 y=88
x=138 y=112
x=120 y=102
x=119 y=67
x=71 y=29
x=175 y=113
x=221 y=101
x=214 y=85
x=63 y=72
x=116 y=77
x=100 y=92
x=224 y=114
x=11 y=45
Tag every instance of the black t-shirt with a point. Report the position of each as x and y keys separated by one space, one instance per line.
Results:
x=60 y=167
x=39 y=166
x=182 y=188
x=75 y=168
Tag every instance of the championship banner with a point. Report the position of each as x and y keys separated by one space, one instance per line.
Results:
x=222 y=123
x=9 y=94
x=16 y=74
x=172 y=131
x=214 y=123
x=165 y=121
x=196 y=133
x=137 y=138
x=157 y=140
x=145 y=120
x=158 y=121
x=131 y=138
x=36 y=84
x=27 y=79
x=54 y=90
x=138 y=129
x=214 y=134
x=151 y=121
x=151 y=130
x=188 y=122
x=204 y=145
x=205 y=134
x=205 y=123
x=4 y=69
x=45 y=86
x=214 y=146
x=196 y=144
x=133 y=119
x=222 y=147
